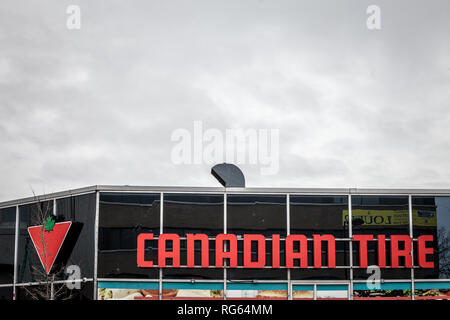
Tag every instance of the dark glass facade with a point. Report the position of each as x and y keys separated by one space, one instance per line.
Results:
x=318 y=215
x=260 y=214
x=122 y=218
x=7 y=235
x=431 y=216
x=111 y=271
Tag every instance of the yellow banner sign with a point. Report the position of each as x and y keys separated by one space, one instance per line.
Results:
x=424 y=218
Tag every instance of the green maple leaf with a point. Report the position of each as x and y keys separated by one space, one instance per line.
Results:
x=49 y=224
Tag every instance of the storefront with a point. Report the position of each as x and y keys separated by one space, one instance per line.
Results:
x=211 y=243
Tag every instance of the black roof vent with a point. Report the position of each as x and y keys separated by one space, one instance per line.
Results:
x=229 y=175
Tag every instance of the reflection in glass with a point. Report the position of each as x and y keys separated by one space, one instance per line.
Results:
x=260 y=214
x=193 y=213
x=122 y=218
x=380 y=215
x=7 y=239
x=431 y=216
x=6 y=293
x=318 y=215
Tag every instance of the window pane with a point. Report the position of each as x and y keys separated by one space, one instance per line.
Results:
x=372 y=260
x=122 y=218
x=318 y=215
x=400 y=273
x=80 y=241
x=260 y=214
x=431 y=216
x=320 y=274
x=6 y=293
x=193 y=213
x=256 y=274
x=123 y=290
x=380 y=215
x=29 y=267
x=332 y=292
x=188 y=290
x=78 y=246
x=302 y=292
x=383 y=291
x=194 y=273
x=257 y=291
x=431 y=290
x=7 y=242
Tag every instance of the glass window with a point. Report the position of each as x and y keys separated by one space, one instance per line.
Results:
x=193 y=213
x=86 y=291
x=375 y=215
x=139 y=212
x=124 y=290
x=189 y=290
x=332 y=292
x=342 y=250
x=256 y=274
x=257 y=291
x=257 y=214
x=122 y=218
x=380 y=215
x=79 y=245
x=382 y=291
x=432 y=290
x=431 y=217
x=302 y=292
x=197 y=272
x=318 y=215
x=372 y=260
x=7 y=243
x=388 y=273
x=320 y=274
x=61 y=292
x=6 y=293
x=32 y=293
x=29 y=267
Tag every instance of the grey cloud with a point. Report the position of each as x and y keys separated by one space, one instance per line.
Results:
x=355 y=108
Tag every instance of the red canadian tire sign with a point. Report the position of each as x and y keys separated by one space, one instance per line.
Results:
x=47 y=240
x=295 y=255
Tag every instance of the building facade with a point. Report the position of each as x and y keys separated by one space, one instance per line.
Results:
x=249 y=243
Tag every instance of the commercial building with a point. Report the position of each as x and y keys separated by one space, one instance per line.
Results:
x=233 y=243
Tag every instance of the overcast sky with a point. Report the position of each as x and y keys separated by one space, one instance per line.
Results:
x=354 y=107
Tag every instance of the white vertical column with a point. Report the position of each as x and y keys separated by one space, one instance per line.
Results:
x=161 y=230
x=350 y=235
x=16 y=251
x=97 y=208
x=54 y=207
x=412 y=243
x=225 y=232
x=288 y=232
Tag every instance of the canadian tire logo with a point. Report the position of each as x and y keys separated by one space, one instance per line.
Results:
x=48 y=239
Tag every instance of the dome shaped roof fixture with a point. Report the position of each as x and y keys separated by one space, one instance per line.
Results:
x=229 y=175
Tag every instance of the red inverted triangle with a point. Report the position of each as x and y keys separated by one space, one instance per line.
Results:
x=51 y=241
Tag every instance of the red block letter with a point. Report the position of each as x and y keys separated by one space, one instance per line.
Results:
x=191 y=238
x=275 y=251
x=396 y=252
x=174 y=254
x=381 y=250
x=318 y=250
x=261 y=257
x=362 y=238
x=423 y=251
x=141 y=250
x=302 y=255
x=221 y=254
